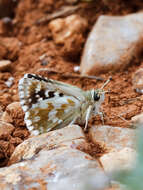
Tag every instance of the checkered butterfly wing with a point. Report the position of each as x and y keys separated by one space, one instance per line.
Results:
x=48 y=104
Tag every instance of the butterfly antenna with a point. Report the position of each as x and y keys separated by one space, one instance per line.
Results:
x=110 y=78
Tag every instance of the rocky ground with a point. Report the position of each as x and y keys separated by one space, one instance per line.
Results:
x=67 y=40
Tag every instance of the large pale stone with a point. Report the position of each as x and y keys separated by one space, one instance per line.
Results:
x=112 y=43
x=113 y=138
x=88 y=181
x=71 y=136
x=48 y=168
x=53 y=161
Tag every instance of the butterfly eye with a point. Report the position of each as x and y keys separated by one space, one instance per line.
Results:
x=96 y=96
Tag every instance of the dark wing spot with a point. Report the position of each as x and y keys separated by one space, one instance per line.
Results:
x=51 y=94
x=41 y=94
x=37 y=77
x=61 y=94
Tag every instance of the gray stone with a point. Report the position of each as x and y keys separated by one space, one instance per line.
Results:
x=53 y=161
x=113 y=138
x=123 y=159
x=112 y=43
x=91 y=180
x=48 y=168
x=71 y=136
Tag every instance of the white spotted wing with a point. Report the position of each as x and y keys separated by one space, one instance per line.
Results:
x=48 y=104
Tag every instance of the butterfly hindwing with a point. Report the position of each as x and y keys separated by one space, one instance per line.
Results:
x=47 y=115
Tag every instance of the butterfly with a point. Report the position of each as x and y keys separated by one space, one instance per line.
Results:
x=49 y=104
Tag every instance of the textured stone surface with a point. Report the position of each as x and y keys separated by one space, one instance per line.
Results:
x=90 y=180
x=112 y=43
x=113 y=138
x=53 y=161
x=71 y=136
x=48 y=167
x=123 y=159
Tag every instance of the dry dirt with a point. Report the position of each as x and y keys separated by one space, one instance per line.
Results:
x=24 y=39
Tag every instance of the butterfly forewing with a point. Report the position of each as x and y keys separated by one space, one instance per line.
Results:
x=48 y=104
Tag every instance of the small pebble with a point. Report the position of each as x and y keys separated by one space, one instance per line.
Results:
x=5 y=128
x=9 y=82
x=14 y=114
x=68 y=28
x=137 y=119
x=5 y=65
x=44 y=62
x=7 y=20
x=76 y=68
x=138 y=81
x=43 y=56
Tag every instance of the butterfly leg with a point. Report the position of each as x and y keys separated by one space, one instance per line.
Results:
x=88 y=113
x=101 y=116
x=73 y=121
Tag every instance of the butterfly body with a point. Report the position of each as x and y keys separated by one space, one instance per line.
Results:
x=50 y=104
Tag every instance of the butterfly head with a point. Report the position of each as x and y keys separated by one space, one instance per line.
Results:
x=97 y=95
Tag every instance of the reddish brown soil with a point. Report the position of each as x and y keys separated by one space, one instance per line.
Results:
x=23 y=41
